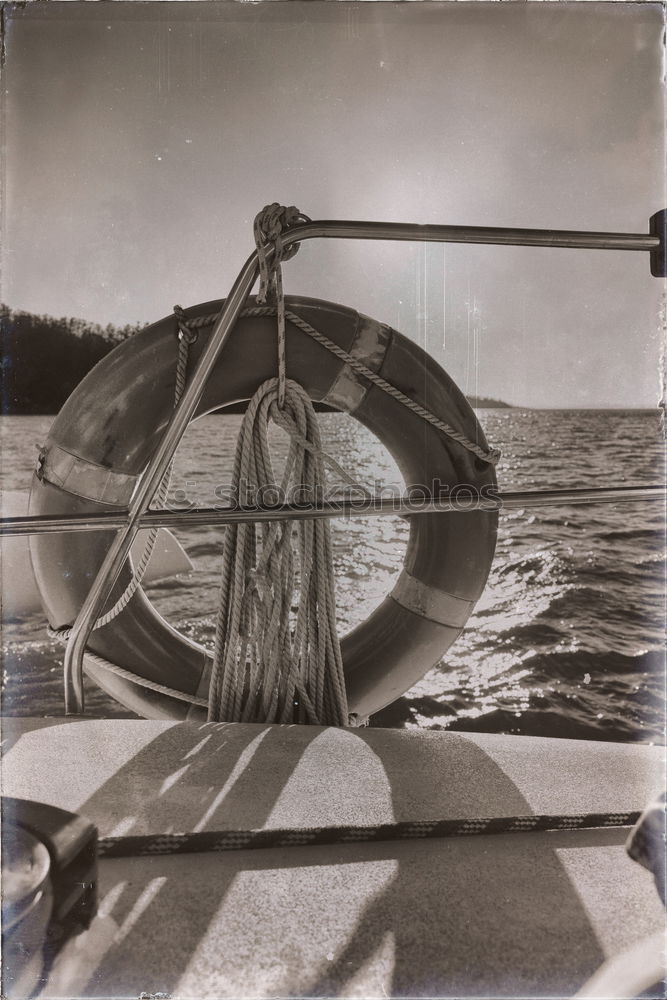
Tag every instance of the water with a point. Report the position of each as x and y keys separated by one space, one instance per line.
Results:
x=568 y=637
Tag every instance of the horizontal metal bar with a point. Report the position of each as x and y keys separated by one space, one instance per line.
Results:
x=466 y=500
x=573 y=239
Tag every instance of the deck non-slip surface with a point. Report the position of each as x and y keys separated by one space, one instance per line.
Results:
x=506 y=915
x=509 y=916
x=150 y=777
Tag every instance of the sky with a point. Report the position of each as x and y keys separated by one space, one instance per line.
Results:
x=141 y=139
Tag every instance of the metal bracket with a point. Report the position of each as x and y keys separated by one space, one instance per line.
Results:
x=658 y=227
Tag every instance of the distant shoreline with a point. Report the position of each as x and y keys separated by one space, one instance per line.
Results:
x=477 y=403
x=67 y=348
x=487 y=403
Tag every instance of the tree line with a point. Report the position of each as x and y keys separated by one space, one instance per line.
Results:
x=44 y=358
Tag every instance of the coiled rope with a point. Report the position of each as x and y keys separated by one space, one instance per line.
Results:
x=263 y=671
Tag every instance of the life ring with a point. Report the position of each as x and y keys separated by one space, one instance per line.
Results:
x=102 y=440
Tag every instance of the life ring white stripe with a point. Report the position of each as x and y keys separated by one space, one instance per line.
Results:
x=427 y=602
x=349 y=389
x=85 y=479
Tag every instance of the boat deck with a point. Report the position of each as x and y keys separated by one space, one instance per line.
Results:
x=502 y=915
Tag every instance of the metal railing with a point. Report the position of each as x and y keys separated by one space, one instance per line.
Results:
x=499 y=236
x=401 y=506
x=137 y=513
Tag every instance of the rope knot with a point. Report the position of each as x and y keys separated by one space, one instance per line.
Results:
x=272 y=222
x=41 y=459
x=184 y=331
x=268 y=228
